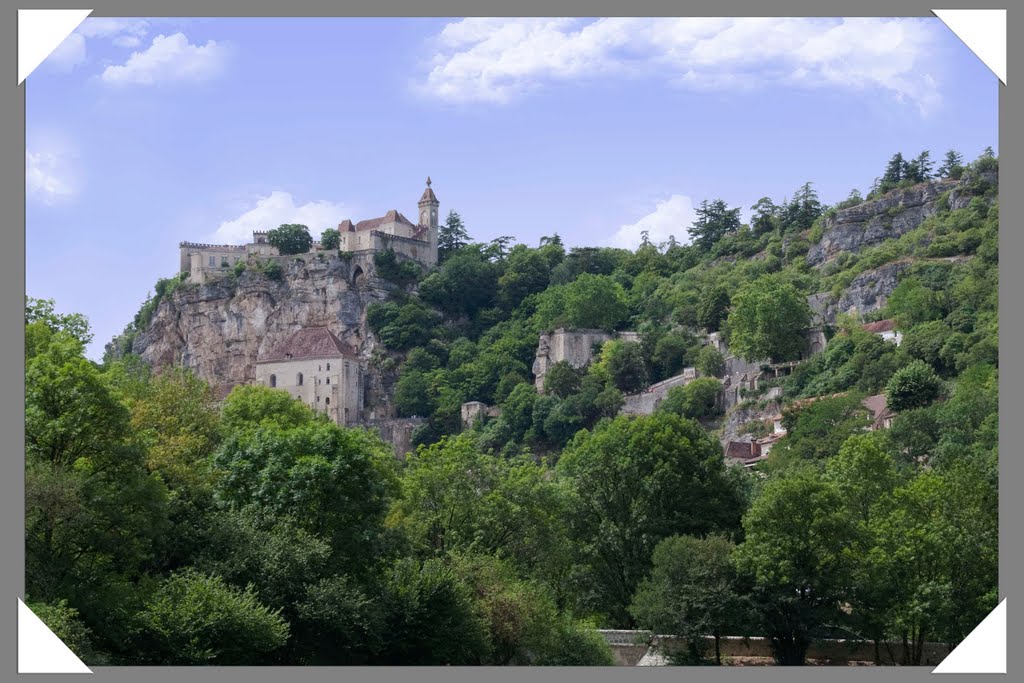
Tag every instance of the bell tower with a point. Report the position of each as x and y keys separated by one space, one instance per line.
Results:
x=428 y=216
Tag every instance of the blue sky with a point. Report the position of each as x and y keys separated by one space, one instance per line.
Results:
x=144 y=133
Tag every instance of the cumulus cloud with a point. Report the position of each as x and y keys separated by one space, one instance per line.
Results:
x=671 y=217
x=168 y=59
x=72 y=51
x=48 y=177
x=276 y=208
x=497 y=60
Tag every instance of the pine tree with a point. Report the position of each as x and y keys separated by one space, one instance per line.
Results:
x=714 y=221
x=451 y=236
x=894 y=171
x=952 y=165
x=922 y=167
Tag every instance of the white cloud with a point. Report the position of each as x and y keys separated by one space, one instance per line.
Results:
x=276 y=208
x=69 y=54
x=112 y=27
x=497 y=60
x=167 y=59
x=670 y=217
x=48 y=177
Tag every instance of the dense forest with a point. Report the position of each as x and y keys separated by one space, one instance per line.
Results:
x=166 y=527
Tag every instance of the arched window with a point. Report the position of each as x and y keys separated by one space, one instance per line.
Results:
x=298 y=379
x=327 y=400
x=273 y=380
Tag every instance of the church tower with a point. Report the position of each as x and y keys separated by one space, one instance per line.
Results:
x=428 y=216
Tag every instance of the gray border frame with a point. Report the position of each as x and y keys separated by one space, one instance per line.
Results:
x=12 y=275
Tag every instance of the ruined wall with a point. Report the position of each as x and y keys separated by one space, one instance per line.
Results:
x=572 y=346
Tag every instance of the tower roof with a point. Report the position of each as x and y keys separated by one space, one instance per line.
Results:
x=309 y=342
x=428 y=194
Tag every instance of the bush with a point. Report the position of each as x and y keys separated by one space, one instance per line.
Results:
x=913 y=386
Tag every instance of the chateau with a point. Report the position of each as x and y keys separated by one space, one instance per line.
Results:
x=392 y=231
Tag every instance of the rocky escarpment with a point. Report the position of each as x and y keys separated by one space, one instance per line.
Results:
x=895 y=214
x=871 y=223
x=868 y=292
x=220 y=328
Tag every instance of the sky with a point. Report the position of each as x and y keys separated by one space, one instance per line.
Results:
x=142 y=133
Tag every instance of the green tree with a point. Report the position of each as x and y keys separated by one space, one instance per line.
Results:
x=952 y=165
x=633 y=482
x=330 y=239
x=562 y=380
x=696 y=400
x=290 y=238
x=713 y=308
x=794 y=553
x=625 y=364
x=196 y=619
x=451 y=236
x=458 y=499
x=691 y=593
x=527 y=272
x=714 y=221
x=710 y=361
x=465 y=284
x=767 y=320
x=595 y=301
x=913 y=386
x=765 y=217
x=817 y=430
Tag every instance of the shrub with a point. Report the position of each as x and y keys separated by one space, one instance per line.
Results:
x=913 y=386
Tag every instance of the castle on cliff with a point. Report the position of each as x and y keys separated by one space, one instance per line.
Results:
x=392 y=231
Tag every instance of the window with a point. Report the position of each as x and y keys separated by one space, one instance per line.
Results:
x=317 y=399
x=298 y=379
x=318 y=368
x=223 y=261
x=213 y=261
x=328 y=367
x=327 y=401
x=273 y=380
x=328 y=380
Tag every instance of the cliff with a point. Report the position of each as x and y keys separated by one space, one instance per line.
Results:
x=220 y=328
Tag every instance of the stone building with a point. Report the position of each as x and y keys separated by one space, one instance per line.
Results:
x=576 y=347
x=416 y=241
x=315 y=367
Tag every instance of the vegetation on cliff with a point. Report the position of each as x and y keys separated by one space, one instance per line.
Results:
x=165 y=528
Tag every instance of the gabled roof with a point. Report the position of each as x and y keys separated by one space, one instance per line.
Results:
x=309 y=342
x=391 y=216
x=742 y=450
x=881 y=326
x=879 y=407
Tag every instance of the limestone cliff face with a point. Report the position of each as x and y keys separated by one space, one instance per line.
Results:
x=871 y=223
x=220 y=328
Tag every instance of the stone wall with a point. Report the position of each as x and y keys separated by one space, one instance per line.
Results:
x=330 y=386
x=647 y=401
x=397 y=431
x=572 y=346
x=629 y=647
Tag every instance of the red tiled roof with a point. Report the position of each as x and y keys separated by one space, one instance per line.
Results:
x=742 y=450
x=391 y=216
x=309 y=342
x=881 y=326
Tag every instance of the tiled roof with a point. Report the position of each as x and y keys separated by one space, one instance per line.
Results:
x=391 y=216
x=309 y=342
x=742 y=450
x=881 y=326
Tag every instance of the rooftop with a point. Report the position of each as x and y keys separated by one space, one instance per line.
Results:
x=881 y=326
x=309 y=342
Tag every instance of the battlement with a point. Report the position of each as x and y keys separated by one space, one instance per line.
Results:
x=217 y=247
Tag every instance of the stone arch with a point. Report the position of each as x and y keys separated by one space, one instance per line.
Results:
x=815 y=347
x=358 y=276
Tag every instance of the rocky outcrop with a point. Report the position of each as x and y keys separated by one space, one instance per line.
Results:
x=220 y=328
x=868 y=292
x=870 y=223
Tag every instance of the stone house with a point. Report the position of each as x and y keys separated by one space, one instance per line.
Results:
x=315 y=367
x=881 y=416
x=886 y=329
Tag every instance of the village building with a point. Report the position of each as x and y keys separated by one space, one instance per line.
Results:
x=886 y=329
x=317 y=368
x=881 y=416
